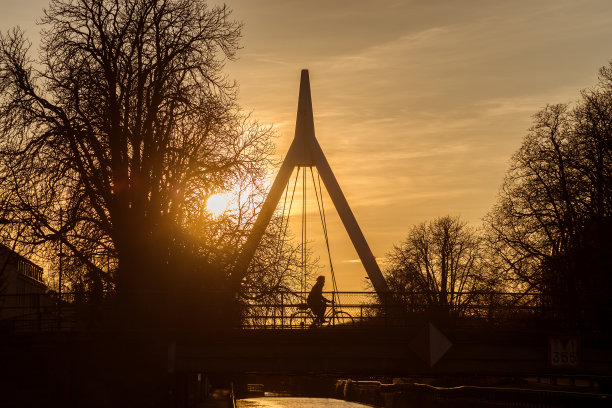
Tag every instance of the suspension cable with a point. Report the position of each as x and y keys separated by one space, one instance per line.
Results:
x=326 y=234
x=283 y=229
x=321 y=207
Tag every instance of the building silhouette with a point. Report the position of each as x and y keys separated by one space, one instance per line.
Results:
x=21 y=287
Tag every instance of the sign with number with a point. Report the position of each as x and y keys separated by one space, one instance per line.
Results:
x=563 y=352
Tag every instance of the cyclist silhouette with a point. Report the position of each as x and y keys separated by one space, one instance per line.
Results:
x=316 y=301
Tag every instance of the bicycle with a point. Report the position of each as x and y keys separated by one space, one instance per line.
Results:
x=333 y=317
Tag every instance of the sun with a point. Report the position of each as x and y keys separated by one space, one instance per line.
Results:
x=217 y=204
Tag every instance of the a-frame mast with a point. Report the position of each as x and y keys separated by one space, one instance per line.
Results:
x=306 y=151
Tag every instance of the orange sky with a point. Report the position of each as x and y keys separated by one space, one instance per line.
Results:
x=418 y=104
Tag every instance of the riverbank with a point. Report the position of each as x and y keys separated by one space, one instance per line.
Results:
x=409 y=395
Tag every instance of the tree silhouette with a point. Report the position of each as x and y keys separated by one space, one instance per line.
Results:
x=552 y=223
x=276 y=268
x=442 y=265
x=114 y=137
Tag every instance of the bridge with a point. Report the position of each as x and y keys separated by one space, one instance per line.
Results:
x=408 y=351
x=371 y=338
x=44 y=346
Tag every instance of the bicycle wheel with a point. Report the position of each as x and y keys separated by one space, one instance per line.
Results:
x=300 y=320
x=340 y=318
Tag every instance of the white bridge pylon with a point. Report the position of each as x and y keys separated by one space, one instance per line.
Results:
x=305 y=151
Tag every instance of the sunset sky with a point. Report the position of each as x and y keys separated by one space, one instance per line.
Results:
x=419 y=104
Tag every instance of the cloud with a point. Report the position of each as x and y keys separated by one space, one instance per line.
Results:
x=379 y=260
x=419 y=105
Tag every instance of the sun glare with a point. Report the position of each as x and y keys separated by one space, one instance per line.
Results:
x=217 y=204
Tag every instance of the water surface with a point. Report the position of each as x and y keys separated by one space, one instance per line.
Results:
x=289 y=402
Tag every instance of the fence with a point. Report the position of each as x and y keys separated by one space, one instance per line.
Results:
x=288 y=310
x=25 y=312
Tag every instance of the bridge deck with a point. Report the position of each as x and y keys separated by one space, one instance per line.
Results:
x=380 y=351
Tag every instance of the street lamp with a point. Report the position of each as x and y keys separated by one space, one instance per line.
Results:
x=61 y=256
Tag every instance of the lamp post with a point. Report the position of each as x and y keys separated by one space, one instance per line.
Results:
x=59 y=289
x=59 y=285
x=4 y=221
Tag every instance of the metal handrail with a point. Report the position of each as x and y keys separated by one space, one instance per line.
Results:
x=275 y=309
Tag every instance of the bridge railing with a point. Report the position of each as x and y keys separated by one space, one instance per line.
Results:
x=286 y=310
x=279 y=311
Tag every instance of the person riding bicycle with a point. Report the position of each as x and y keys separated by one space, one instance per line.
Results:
x=316 y=301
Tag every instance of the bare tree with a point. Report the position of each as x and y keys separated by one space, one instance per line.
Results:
x=535 y=218
x=552 y=223
x=113 y=138
x=276 y=270
x=441 y=264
